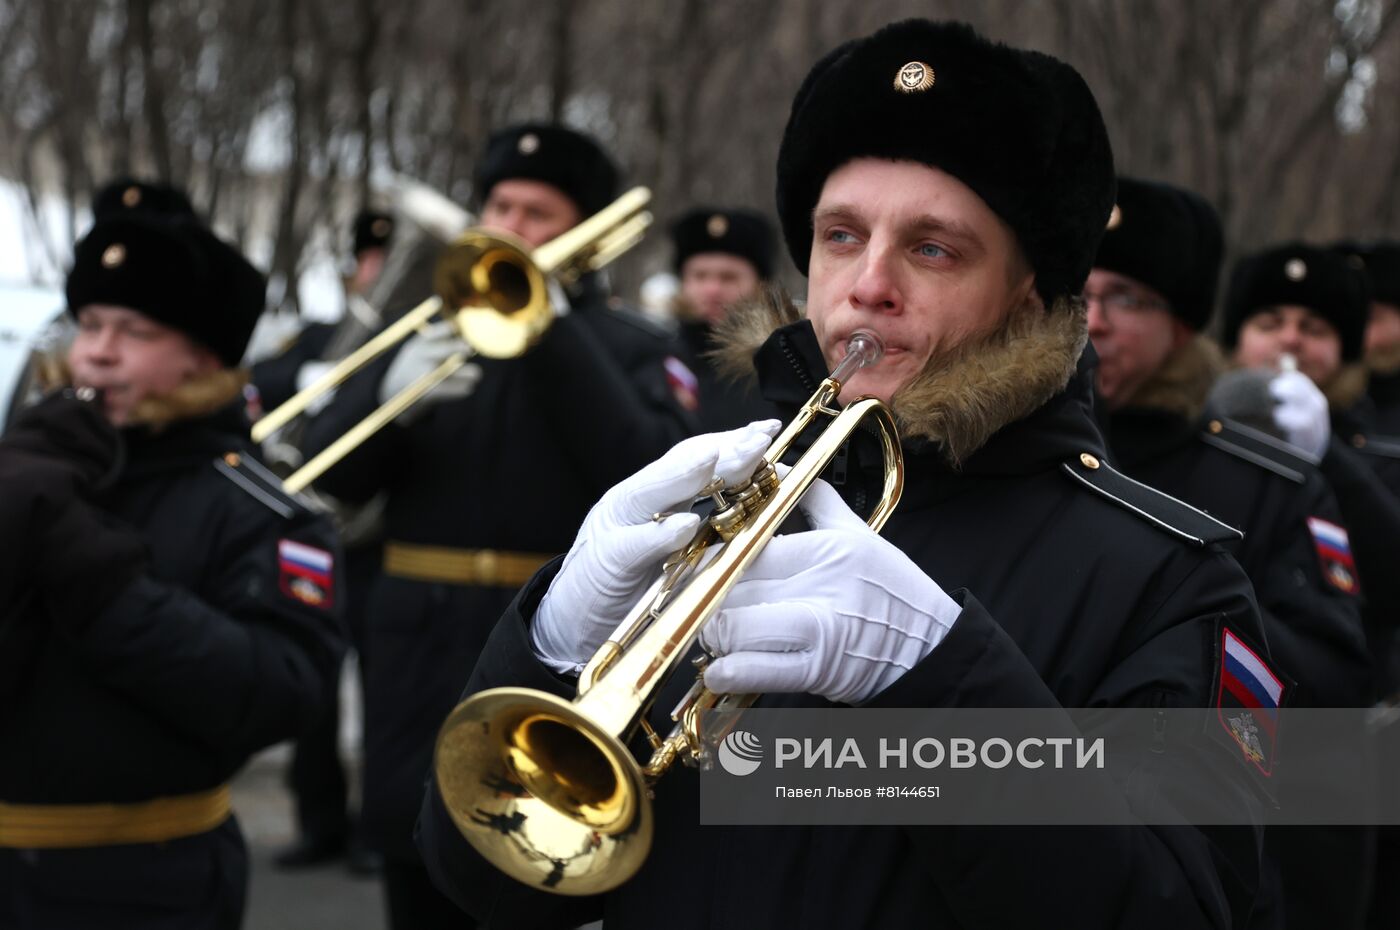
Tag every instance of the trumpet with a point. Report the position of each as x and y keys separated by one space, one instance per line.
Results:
x=546 y=789
x=494 y=289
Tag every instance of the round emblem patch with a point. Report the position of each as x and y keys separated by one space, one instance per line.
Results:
x=914 y=77
x=113 y=255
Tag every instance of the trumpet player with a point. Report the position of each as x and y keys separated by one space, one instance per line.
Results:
x=948 y=194
x=487 y=479
x=166 y=612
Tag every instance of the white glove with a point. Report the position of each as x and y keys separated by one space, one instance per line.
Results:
x=1301 y=412
x=620 y=548
x=421 y=353
x=837 y=612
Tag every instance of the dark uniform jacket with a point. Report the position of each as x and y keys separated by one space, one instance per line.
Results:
x=512 y=469
x=1072 y=596
x=724 y=403
x=1310 y=603
x=156 y=681
x=1384 y=391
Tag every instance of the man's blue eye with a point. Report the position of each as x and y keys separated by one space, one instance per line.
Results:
x=840 y=235
x=929 y=250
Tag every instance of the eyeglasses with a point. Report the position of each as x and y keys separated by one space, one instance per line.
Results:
x=1115 y=302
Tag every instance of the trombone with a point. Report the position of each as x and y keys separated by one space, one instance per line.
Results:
x=494 y=289
x=546 y=789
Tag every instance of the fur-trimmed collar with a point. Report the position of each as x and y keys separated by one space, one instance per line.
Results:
x=959 y=400
x=1347 y=386
x=198 y=397
x=1384 y=361
x=1183 y=381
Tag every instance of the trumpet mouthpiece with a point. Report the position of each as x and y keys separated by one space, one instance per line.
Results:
x=862 y=349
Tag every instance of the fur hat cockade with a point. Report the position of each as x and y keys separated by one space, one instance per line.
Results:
x=743 y=233
x=175 y=271
x=1300 y=275
x=372 y=230
x=125 y=196
x=1019 y=128
x=1169 y=239
x=566 y=159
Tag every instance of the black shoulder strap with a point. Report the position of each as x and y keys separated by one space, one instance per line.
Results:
x=1259 y=448
x=1174 y=517
x=1383 y=446
x=259 y=483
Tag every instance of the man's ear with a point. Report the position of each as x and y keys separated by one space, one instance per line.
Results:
x=1181 y=333
x=205 y=360
x=1025 y=298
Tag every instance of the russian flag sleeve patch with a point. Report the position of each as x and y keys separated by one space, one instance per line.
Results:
x=1249 y=695
x=305 y=573
x=1334 y=555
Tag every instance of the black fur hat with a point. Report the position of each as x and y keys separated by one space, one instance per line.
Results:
x=127 y=195
x=566 y=159
x=744 y=233
x=1020 y=128
x=174 y=270
x=1302 y=275
x=1381 y=263
x=1169 y=239
x=372 y=230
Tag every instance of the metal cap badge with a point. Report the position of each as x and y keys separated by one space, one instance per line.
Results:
x=113 y=255
x=1295 y=269
x=914 y=77
x=528 y=144
x=717 y=225
x=131 y=196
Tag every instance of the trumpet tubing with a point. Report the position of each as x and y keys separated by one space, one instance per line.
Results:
x=546 y=789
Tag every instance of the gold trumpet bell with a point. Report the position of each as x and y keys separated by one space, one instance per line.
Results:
x=495 y=295
x=543 y=792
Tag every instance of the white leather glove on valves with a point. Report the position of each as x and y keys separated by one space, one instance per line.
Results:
x=619 y=550
x=420 y=354
x=837 y=612
x=1301 y=412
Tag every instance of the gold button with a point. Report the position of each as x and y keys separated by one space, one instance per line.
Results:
x=1089 y=461
x=113 y=255
x=232 y=458
x=1214 y=426
x=131 y=196
x=717 y=226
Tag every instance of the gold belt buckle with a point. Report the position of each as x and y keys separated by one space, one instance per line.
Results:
x=485 y=565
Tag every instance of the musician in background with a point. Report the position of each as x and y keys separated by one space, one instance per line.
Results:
x=166 y=610
x=486 y=479
x=325 y=829
x=948 y=194
x=723 y=257
x=1149 y=295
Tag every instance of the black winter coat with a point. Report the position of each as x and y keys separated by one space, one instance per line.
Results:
x=1311 y=610
x=514 y=467
x=1070 y=598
